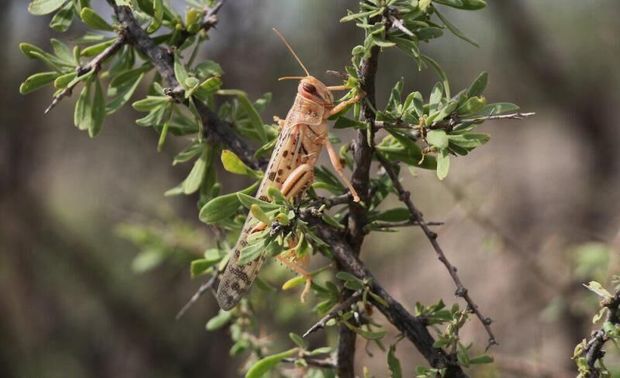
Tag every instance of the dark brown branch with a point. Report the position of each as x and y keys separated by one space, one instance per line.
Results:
x=344 y=305
x=93 y=66
x=162 y=59
x=363 y=149
x=461 y=290
x=413 y=328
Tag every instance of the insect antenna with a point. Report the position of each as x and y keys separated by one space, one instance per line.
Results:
x=291 y=78
x=292 y=51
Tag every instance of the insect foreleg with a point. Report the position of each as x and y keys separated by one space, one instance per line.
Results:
x=340 y=107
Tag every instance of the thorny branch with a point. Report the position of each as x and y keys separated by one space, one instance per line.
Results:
x=449 y=123
x=342 y=306
x=93 y=66
x=461 y=290
x=413 y=328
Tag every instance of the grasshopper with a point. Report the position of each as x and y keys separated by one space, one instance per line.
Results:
x=302 y=136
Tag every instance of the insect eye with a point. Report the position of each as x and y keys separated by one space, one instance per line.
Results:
x=309 y=88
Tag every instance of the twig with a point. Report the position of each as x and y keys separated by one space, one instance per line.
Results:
x=448 y=123
x=210 y=21
x=461 y=290
x=517 y=115
x=328 y=203
x=334 y=313
x=93 y=66
x=201 y=290
x=402 y=224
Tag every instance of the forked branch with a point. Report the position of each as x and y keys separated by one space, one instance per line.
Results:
x=461 y=290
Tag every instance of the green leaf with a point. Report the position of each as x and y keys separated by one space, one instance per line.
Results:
x=92 y=19
x=200 y=266
x=188 y=154
x=298 y=340
x=496 y=108
x=293 y=282
x=259 y=214
x=599 y=290
x=223 y=207
x=150 y=102
x=36 y=81
x=147 y=260
x=474 y=4
x=482 y=359
x=248 y=201
x=122 y=87
x=345 y=123
x=233 y=164
x=443 y=164
x=350 y=281
x=454 y=29
x=63 y=80
x=209 y=68
x=423 y=4
x=194 y=178
x=82 y=116
x=440 y=72
x=399 y=214
x=218 y=321
x=478 y=86
x=63 y=19
x=394 y=363
x=98 y=110
x=438 y=139
x=253 y=250
x=354 y=16
x=158 y=16
x=180 y=72
x=43 y=7
x=248 y=107
x=97 y=48
x=264 y=365
x=472 y=105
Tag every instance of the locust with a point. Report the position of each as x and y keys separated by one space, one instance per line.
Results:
x=302 y=136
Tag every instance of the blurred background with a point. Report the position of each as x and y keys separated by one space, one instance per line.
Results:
x=528 y=218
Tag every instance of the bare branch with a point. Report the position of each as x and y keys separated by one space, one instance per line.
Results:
x=334 y=313
x=461 y=290
x=517 y=115
x=201 y=290
x=93 y=66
